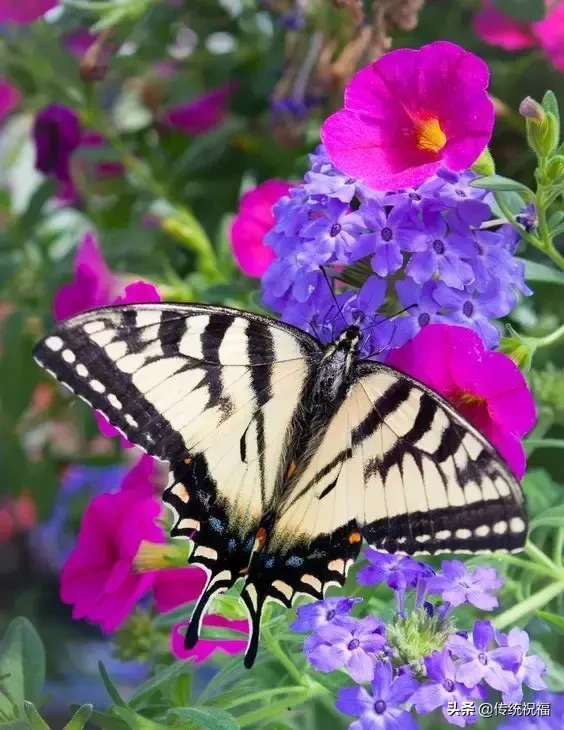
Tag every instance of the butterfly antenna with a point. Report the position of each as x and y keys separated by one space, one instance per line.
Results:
x=328 y=280
x=395 y=314
x=381 y=349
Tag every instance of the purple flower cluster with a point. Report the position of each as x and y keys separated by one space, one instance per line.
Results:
x=424 y=248
x=418 y=661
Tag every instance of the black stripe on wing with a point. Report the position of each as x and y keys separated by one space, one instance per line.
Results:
x=468 y=502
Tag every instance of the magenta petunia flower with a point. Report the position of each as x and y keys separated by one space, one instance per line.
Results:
x=98 y=579
x=201 y=114
x=142 y=478
x=94 y=285
x=487 y=387
x=24 y=11
x=175 y=586
x=253 y=221
x=498 y=29
x=409 y=113
x=10 y=97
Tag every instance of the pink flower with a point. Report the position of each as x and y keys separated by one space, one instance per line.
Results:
x=10 y=97
x=487 y=387
x=94 y=285
x=201 y=114
x=98 y=579
x=409 y=113
x=142 y=478
x=176 y=586
x=24 y=11
x=497 y=29
x=252 y=223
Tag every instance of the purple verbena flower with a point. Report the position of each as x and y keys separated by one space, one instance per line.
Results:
x=347 y=643
x=314 y=615
x=457 y=585
x=384 y=708
x=478 y=662
x=549 y=713
x=528 y=217
x=398 y=571
x=531 y=668
x=427 y=235
x=442 y=689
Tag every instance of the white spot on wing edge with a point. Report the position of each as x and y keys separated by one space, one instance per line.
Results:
x=54 y=343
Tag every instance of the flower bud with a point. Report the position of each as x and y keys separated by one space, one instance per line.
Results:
x=485 y=164
x=520 y=349
x=543 y=134
x=531 y=109
x=555 y=168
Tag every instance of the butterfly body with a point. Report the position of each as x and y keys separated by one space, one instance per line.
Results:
x=285 y=454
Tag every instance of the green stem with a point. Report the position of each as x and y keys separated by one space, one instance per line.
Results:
x=537 y=600
x=264 y=694
x=529 y=565
x=558 y=552
x=276 y=709
x=274 y=648
x=544 y=243
x=532 y=444
x=538 y=556
x=550 y=339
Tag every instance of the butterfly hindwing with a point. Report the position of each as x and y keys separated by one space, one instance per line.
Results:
x=432 y=482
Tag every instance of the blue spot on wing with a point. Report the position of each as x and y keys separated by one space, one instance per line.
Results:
x=216 y=524
x=294 y=561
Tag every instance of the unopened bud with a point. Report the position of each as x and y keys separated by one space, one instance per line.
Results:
x=520 y=349
x=94 y=64
x=485 y=164
x=531 y=109
x=555 y=168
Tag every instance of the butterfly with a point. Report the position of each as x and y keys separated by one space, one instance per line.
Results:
x=285 y=454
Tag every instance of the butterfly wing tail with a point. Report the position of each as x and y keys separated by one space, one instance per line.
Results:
x=254 y=602
x=218 y=582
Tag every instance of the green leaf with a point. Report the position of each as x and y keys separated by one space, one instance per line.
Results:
x=550 y=105
x=554 y=517
x=14 y=725
x=110 y=686
x=80 y=718
x=208 y=718
x=552 y=618
x=526 y=10
x=541 y=272
x=22 y=658
x=35 y=720
x=101 y=719
x=541 y=491
x=504 y=184
x=157 y=682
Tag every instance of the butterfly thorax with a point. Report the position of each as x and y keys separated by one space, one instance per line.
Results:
x=335 y=373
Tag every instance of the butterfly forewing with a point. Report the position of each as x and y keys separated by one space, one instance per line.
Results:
x=213 y=392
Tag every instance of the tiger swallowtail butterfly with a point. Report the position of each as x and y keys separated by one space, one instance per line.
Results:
x=285 y=454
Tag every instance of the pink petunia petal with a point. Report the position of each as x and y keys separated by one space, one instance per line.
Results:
x=24 y=11
x=176 y=586
x=205 y=648
x=511 y=449
x=498 y=29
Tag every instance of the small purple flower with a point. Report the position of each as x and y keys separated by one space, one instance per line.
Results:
x=551 y=719
x=528 y=217
x=496 y=666
x=531 y=668
x=441 y=255
x=335 y=231
x=474 y=309
x=314 y=615
x=388 y=235
x=347 y=643
x=459 y=585
x=57 y=135
x=398 y=571
x=383 y=709
x=443 y=689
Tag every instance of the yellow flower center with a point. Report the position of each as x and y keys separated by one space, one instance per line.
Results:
x=469 y=399
x=430 y=136
x=157 y=556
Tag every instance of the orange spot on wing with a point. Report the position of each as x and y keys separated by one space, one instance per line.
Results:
x=291 y=470
x=188 y=459
x=355 y=537
x=260 y=539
